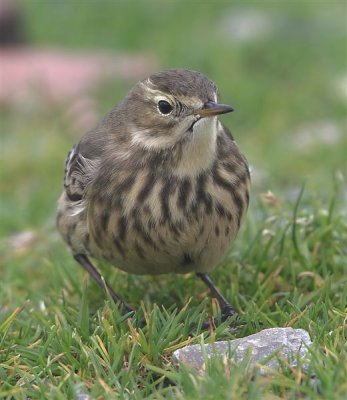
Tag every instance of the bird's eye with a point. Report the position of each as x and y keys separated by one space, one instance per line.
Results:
x=164 y=107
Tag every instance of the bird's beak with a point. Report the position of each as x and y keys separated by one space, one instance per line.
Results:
x=210 y=109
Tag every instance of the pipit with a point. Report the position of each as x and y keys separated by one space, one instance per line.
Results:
x=158 y=186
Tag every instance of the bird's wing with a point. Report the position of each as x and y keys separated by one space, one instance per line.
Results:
x=79 y=171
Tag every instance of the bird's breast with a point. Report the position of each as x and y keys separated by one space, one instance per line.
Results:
x=153 y=223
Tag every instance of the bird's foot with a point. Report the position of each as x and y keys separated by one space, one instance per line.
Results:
x=227 y=312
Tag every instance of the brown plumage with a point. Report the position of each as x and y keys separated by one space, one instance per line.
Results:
x=159 y=186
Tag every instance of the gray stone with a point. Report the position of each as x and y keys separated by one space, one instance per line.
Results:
x=263 y=348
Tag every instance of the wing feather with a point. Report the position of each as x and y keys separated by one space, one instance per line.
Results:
x=79 y=172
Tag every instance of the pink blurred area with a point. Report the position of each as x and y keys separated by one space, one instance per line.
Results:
x=34 y=78
x=61 y=76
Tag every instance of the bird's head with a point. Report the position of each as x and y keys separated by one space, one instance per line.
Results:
x=172 y=105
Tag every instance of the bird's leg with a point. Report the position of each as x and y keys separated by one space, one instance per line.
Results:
x=92 y=271
x=226 y=308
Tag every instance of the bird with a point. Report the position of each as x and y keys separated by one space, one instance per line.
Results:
x=158 y=186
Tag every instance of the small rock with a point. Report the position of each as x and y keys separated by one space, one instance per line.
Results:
x=22 y=241
x=287 y=343
x=246 y=25
x=322 y=132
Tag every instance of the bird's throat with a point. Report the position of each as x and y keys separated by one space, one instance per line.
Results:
x=199 y=150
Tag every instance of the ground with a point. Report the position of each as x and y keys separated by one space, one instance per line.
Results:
x=283 y=67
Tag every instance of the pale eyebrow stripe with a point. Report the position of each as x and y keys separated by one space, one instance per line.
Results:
x=159 y=95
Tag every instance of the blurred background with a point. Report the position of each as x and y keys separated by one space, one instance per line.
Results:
x=64 y=64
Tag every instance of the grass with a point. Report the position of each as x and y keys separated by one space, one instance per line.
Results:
x=60 y=337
